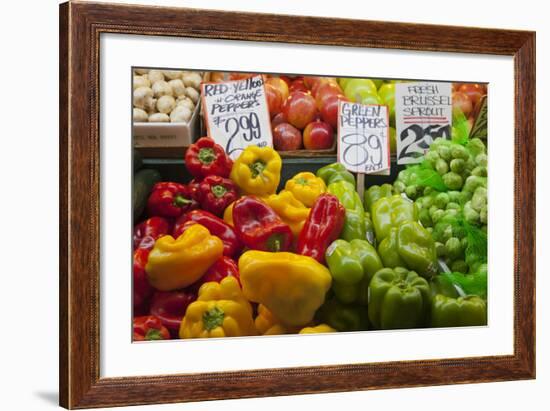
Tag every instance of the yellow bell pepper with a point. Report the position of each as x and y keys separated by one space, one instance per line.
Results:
x=228 y=214
x=267 y=324
x=291 y=286
x=289 y=209
x=319 y=329
x=257 y=171
x=220 y=311
x=177 y=263
x=306 y=187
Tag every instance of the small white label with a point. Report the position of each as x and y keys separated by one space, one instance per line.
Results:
x=237 y=114
x=363 y=137
x=423 y=112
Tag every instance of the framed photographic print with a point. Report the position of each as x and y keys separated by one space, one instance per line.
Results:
x=340 y=205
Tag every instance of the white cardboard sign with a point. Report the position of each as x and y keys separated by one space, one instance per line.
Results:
x=363 y=137
x=423 y=112
x=237 y=114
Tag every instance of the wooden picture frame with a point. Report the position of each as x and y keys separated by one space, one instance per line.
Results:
x=80 y=27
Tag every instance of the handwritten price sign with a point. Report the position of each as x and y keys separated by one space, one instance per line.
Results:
x=237 y=114
x=363 y=137
x=423 y=112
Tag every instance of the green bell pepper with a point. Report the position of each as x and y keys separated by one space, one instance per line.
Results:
x=374 y=193
x=389 y=212
x=399 y=298
x=335 y=172
x=388 y=252
x=355 y=224
x=352 y=265
x=464 y=311
x=343 y=317
x=410 y=245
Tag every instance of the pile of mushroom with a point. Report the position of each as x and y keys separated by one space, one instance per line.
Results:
x=163 y=96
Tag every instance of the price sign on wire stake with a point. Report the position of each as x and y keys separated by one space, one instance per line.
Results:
x=423 y=112
x=363 y=138
x=237 y=114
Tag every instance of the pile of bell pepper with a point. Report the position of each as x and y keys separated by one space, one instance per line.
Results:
x=227 y=255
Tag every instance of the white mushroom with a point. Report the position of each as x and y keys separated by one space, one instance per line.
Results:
x=165 y=104
x=178 y=88
x=185 y=102
x=161 y=88
x=156 y=75
x=141 y=81
x=140 y=116
x=192 y=94
x=142 y=96
x=159 y=118
x=141 y=71
x=180 y=114
x=172 y=74
x=192 y=80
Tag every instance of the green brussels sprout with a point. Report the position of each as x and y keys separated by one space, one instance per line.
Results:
x=411 y=191
x=437 y=215
x=458 y=151
x=444 y=152
x=457 y=165
x=454 y=196
x=481 y=160
x=399 y=186
x=480 y=171
x=464 y=242
x=441 y=200
x=474 y=182
x=454 y=248
x=470 y=215
x=452 y=180
x=459 y=266
x=427 y=201
x=451 y=213
x=476 y=146
x=479 y=199
x=452 y=206
x=431 y=157
x=424 y=217
x=441 y=167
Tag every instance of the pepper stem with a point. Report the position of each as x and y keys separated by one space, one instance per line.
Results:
x=153 y=334
x=212 y=318
x=275 y=243
x=206 y=155
x=181 y=201
x=256 y=168
x=302 y=181
x=218 y=190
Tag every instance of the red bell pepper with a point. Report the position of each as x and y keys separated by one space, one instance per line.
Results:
x=322 y=227
x=170 y=307
x=216 y=193
x=223 y=267
x=149 y=328
x=148 y=231
x=170 y=199
x=206 y=158
x=259 y=227
x=231 y=243
x=142 y=290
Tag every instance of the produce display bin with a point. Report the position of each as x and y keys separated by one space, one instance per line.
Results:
x=167 y=136
x=173 y=169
